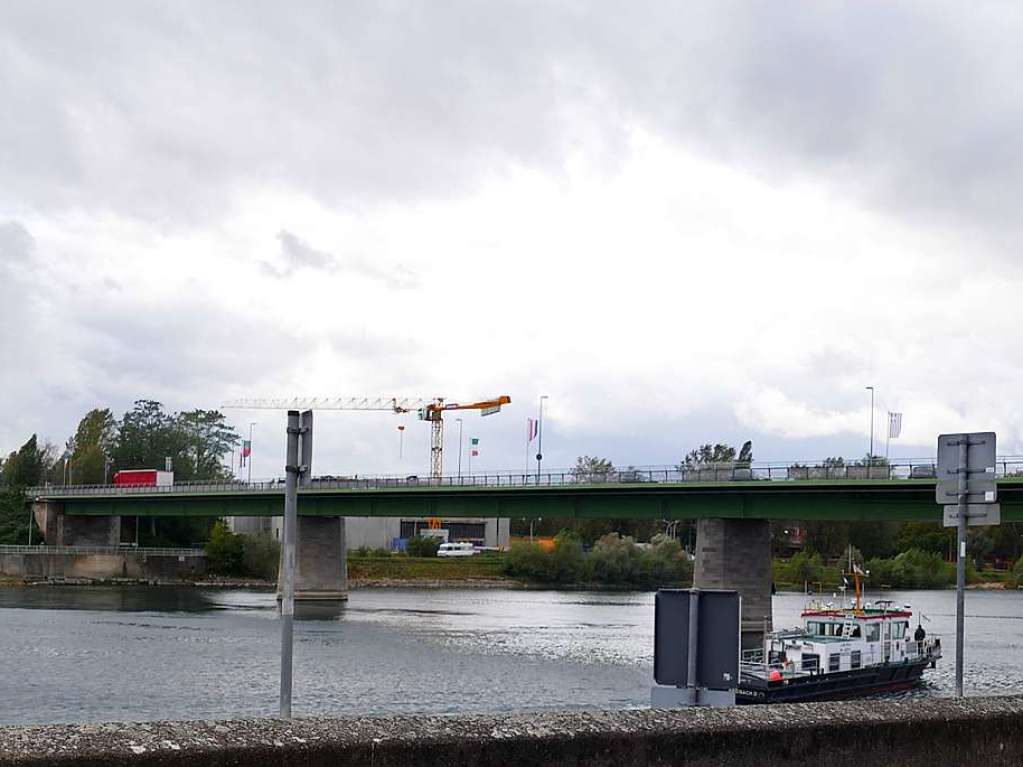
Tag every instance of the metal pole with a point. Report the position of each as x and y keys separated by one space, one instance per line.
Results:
x=961 y=563
x=694 y=643
x=288 y=563
x=30 y=515
x=539 y=437
x=870 y=455
x=459 y=449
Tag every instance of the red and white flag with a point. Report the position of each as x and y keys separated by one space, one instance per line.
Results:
x=532 y=426
x=894 y=425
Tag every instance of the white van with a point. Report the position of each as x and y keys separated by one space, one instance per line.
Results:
x=459 y=549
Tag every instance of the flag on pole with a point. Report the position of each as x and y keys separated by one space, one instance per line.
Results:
x=532 y=426
x=474 y=441
x=894 y=425
x=246 y=448
x=474 y=453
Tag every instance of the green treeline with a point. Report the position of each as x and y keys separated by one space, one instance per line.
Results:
x=614 y=560
x=197 y=442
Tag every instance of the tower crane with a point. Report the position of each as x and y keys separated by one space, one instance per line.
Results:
x=430 y=409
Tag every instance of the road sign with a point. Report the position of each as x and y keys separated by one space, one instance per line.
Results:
x=716 y=644
x=981 y=486
x=976 y=514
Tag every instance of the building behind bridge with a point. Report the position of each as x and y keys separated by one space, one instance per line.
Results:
x=382 y=532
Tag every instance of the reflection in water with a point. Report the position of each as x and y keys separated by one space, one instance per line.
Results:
x=80 y=653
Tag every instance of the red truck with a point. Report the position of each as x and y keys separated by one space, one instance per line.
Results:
x=143 y=478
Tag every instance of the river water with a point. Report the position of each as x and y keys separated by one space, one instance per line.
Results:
x=71 y=654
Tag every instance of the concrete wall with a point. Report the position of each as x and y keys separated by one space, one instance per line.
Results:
x=917 y=733
x=101 y=566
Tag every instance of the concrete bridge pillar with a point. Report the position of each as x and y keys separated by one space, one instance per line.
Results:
x=75 y=530
x=60 y=529
x=46 y=514
x=736 y=554
x=321 y=566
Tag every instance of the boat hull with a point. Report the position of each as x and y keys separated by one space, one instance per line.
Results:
x=844 y=684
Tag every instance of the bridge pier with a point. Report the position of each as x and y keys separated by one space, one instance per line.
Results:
x=736 y=554
x=46 y=514
x=60 y=529
x=321 y=564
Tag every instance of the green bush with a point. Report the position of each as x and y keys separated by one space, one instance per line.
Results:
x=225 y=551
x=261 y=555
x=614 y=561
x=1016 y=574
x=913 y=569
x=800 y=569
x=420 y=546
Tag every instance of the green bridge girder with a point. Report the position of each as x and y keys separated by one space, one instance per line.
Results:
x=853 y=500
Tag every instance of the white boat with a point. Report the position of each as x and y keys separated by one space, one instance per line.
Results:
x=840 y=652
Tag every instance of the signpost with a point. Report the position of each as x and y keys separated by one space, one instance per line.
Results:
x=298 y=470
x=696 y=648
x=968 y=490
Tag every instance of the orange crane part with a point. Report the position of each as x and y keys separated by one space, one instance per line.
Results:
x=434 y=414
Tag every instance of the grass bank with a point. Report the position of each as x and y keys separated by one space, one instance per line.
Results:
x=398 y=568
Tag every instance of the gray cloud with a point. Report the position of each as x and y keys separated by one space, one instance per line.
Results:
x=913 y=107
x=297 y=254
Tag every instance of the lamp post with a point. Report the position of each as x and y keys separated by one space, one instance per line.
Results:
x=459 y=420
x=870 y=455
x=539 y=437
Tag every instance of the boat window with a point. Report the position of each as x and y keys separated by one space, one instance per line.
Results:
x=854 y=659
x=809 y=662
x=816 y=628
x=898 y=630
x=873 y=632
x=833 y=662
x=855 y=632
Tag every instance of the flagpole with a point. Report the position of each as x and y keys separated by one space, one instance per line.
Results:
x=888 y=440
x=529 y=434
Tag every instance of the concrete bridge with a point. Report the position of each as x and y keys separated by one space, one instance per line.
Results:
x=733 y=506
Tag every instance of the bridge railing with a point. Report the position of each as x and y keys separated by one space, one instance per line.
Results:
x=723 y=472
x=134 y=550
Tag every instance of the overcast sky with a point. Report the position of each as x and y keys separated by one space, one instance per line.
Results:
x=681 y=222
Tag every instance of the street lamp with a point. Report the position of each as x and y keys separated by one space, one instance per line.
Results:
x=459 y=420
x=539 y=443
x=870 y=455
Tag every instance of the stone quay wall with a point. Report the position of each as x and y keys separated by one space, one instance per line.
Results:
x=909 y=733
x=101 y=566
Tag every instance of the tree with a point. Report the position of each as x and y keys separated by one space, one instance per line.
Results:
x=708 y=455
x=146 y=436
x=196 y=441
x=93 y=442
x=592 y=469
x=209 y=439
x=28 y=466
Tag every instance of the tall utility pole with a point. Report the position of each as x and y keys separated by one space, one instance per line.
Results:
x=870 y=455
x=539 y=444
x=459 y=420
